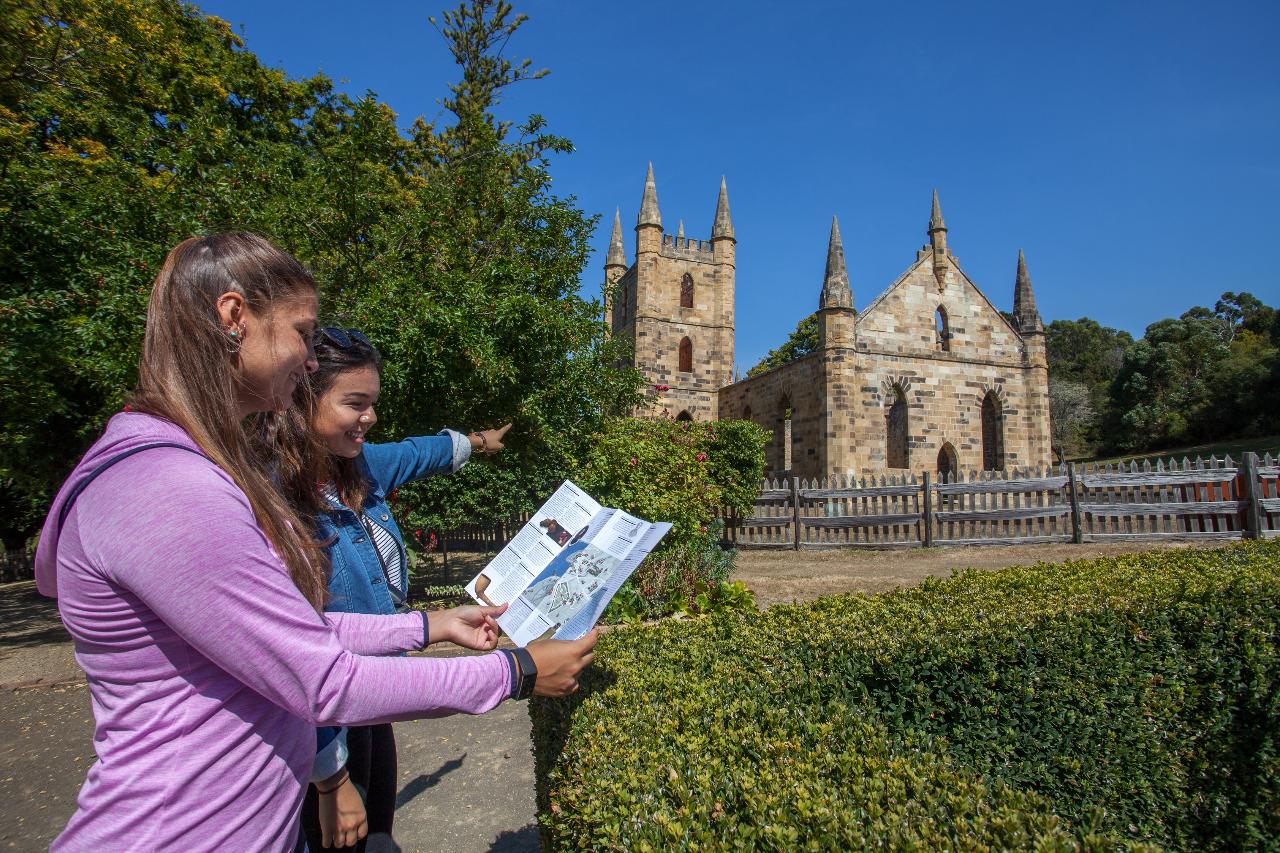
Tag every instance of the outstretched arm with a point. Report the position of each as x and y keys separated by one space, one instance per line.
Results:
x=396 y=463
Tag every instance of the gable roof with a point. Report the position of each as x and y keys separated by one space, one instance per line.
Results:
x=907 y=274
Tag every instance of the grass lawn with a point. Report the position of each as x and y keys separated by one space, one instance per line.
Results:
x=1233 y=448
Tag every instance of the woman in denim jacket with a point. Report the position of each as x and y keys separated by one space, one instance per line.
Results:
x=328 y=472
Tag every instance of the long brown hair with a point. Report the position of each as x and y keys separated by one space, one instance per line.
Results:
x=303 y=462
x=187 y=374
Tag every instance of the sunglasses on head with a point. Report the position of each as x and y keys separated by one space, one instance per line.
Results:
x=345 y=338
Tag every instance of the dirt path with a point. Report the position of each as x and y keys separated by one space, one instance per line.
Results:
x=786 y=576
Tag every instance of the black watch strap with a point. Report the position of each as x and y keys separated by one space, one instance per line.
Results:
x=528 y=672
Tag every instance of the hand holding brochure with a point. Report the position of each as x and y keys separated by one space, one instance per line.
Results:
x=563 y=567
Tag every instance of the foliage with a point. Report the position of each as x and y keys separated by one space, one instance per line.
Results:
x=802 y=341
x=1098 y=704
x=1202 y=376
x=438 y=595
x=724 y=597
x=630 y=606
x=676 y=471
x=126 y=126
x=1207 y=375
x=683 y=473
x=1086 y=352
x=1071 y=414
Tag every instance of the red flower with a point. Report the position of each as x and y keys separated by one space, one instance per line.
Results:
x=633 y=460
x=701 y=457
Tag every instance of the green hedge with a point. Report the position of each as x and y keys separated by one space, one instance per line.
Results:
x=1096 y=704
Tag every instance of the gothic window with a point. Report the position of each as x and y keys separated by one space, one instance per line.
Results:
x=942 y=329
x=684 y=416
x=686 y=356
x=686 y=291
x=992 y=434
x=897 y=454
x=948 y=468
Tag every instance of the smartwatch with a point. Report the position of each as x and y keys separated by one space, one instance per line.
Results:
x=528 y=672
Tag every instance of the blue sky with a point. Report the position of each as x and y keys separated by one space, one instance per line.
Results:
x=1132 y=149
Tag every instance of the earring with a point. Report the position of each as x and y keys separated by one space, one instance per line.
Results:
x=236 y=343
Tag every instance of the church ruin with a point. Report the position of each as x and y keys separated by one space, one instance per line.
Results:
x=928 y=376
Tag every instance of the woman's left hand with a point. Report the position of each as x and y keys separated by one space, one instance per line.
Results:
x=472 y=626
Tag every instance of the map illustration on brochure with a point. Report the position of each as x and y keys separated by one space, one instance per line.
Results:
x=563 y=567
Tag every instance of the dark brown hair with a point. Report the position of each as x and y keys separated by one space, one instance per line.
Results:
x=188 y=374
x=303 y=462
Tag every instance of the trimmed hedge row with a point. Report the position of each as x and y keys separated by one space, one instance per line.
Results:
x=1098 y=704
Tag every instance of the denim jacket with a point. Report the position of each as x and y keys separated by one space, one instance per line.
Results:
x=356 y=580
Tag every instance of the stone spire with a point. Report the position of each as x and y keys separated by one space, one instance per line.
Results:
x=937 y=228
x=723 y=226
x=617 y=256
x=680 y=231
x=1024 y=301
x=649 y=203
x=836 y=292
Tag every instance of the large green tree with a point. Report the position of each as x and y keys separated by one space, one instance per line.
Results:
x=1203 y=376
x=127 y=126
x=124 y=126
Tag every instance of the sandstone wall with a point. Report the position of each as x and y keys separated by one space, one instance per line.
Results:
x=764 y=400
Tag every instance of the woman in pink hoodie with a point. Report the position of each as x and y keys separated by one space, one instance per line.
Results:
x=194 y=595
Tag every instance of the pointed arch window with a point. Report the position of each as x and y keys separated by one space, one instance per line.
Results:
x=992 y=433
x=948 y=467
x=686 y=356
x=942 y=329
x=686 y=291
x=897 y=453
x=684 y=416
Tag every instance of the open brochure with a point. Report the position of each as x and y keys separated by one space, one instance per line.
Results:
x=563 y=567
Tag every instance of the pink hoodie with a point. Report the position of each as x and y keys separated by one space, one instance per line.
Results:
x=207 y=668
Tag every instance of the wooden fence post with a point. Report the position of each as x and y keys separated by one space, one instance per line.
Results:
x=444 y=553
x=928 y=512
x=1248 y=477
x=1077 y=535
x=795 y=513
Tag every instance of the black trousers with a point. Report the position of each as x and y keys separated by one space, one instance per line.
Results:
x=372 y=765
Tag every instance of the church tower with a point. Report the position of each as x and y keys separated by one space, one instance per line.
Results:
x=676 y=304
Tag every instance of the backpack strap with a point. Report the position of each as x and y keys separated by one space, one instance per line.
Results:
x=93 y=475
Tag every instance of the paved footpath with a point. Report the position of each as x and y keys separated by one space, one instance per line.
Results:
x=466 y=783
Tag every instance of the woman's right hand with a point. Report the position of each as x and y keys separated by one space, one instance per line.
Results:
x=488 y=441
x=343 y=821
x=560 y=661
